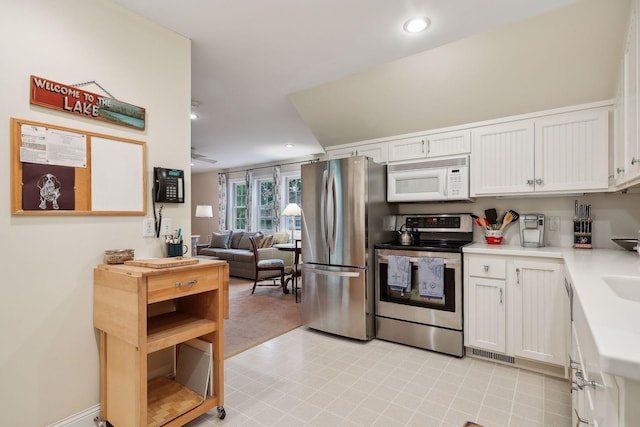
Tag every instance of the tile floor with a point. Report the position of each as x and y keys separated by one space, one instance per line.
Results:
x=307 y=378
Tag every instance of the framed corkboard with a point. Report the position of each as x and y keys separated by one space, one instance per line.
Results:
x=63 y=171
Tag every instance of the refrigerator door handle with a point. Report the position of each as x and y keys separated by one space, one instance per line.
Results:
x=332 y=237
x=323 y=208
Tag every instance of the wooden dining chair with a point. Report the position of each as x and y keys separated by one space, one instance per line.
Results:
x=276 y=266
x=296 y=268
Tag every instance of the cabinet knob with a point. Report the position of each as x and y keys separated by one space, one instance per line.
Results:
x=634 y=160
x=619 y=170
x=486 y=268
x=539 y=181
x=529 y=182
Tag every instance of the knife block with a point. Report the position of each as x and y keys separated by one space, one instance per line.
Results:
x=582 y=233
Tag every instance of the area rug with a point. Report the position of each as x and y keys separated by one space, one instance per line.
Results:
x=254 y=319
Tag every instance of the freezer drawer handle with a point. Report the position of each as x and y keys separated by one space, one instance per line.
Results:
x=339 y=273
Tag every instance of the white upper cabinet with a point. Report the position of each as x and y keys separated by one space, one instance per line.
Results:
x=449 y=143
x=377 y=151
x=502 y=159
x=553 y=154
x=408 y=149
x=436 y=145
x=572 y=152
x=627 y=143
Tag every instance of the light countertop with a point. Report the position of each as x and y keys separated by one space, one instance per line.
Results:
x=614 y=322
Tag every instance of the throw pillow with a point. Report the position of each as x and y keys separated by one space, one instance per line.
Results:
x=259 y=237
x=281 y=237
x=220 y=239
x=235 y=239
x=267 y=242
x=244 y=241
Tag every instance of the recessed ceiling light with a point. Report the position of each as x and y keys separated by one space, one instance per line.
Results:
x=289 y=145
x=194 y=116
x=416 y=25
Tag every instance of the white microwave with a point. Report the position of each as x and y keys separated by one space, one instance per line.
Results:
x=429 y=180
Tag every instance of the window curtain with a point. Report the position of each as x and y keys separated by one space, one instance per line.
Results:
x=249 y=179
x=222 y=201
x=276 y=198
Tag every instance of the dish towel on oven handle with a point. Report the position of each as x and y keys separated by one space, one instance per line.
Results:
x=399 y=273
x=431 y=277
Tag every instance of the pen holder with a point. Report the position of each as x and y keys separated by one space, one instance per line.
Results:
x=176 y=249
x=582 y=233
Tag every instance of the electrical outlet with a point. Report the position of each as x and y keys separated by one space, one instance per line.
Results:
x=148 y=227
x=554 y=223
x=165 y=227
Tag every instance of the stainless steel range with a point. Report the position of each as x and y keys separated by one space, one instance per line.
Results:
x=419 y=286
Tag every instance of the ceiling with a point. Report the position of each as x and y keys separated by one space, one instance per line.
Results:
x=268 y=73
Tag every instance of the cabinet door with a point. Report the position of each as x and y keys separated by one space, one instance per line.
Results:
x=449 y=143
x=408 y=149
x=340 y=153
x=630 y=95
x=571 y=152
x=502 y=159
x=485 y=319
x=537 y=311
x=378 y=152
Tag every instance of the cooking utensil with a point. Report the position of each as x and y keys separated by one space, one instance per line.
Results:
x=491 y=215
x=508 y=218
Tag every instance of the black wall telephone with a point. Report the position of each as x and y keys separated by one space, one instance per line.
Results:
x=168 y=185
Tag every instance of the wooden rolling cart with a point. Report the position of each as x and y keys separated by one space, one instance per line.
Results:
x=145 y=306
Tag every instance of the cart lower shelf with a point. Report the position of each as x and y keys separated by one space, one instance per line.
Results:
x=167 y=400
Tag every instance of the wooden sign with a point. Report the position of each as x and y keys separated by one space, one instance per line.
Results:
x=70 y=99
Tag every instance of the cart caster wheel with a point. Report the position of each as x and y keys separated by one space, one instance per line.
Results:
x=221 y=412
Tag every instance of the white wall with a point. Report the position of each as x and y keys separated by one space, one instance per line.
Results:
x=49 y=352
x=204 y=191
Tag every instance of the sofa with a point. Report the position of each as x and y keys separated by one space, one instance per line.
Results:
x=235 y=248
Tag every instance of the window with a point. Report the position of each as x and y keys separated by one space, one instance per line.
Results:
x=264 y=218
x=239 y=206
x=293 y=194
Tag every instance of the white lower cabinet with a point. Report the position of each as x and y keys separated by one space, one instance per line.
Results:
x=537 y=307
x=520 y=314
x=487 y=309
x=594 y=394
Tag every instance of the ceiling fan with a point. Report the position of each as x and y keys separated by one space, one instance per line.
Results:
x=197 y=157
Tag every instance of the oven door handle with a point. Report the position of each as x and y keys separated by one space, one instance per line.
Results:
x=383 y=259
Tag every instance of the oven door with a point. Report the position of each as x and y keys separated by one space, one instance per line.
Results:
x=411 y=305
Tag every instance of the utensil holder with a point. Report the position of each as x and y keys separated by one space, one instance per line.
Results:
x=582 y=229
x=493 y=237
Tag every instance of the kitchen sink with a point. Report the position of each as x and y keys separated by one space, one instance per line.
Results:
x=626 y=287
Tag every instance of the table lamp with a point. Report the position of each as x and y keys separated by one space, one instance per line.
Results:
x=292 y=210
x=205 y=211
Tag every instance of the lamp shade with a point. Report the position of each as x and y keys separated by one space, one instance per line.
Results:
x=292 y=209
x=204 y=211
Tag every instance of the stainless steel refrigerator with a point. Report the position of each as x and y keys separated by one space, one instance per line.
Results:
x=343 y=209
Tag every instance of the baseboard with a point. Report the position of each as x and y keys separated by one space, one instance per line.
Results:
x=85 y=418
